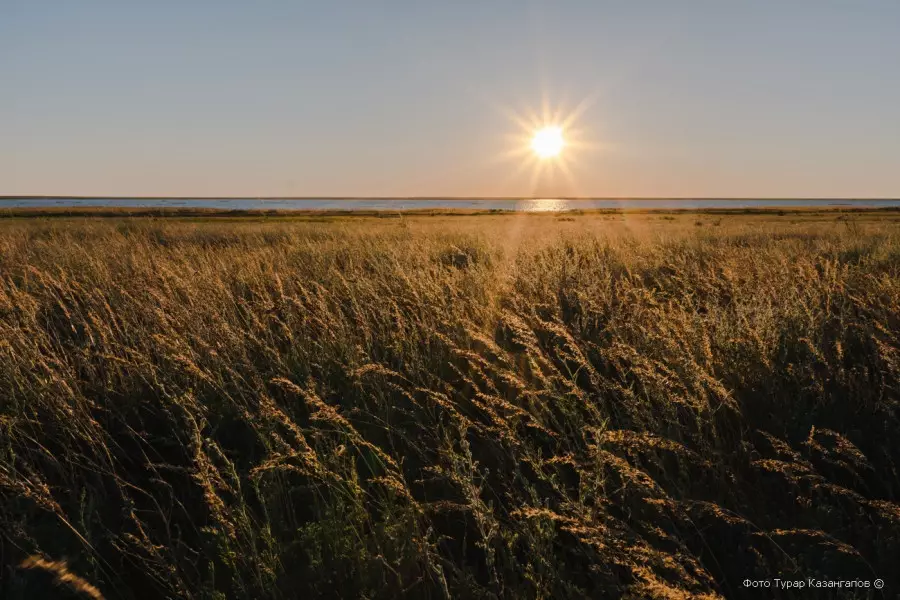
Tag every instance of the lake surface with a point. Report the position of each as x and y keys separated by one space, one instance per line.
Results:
x=399 y=204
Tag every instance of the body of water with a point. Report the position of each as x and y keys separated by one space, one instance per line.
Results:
x=400 y=204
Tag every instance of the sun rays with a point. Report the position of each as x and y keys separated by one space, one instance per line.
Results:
x=547 y=145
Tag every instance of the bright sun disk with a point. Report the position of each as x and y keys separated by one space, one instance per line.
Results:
x=548 y=142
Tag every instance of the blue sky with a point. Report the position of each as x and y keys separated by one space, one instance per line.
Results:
x=277 y=97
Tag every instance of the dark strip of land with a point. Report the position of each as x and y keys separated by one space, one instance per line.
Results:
x=59 y=211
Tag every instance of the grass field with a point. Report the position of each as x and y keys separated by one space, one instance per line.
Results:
x=653 y=405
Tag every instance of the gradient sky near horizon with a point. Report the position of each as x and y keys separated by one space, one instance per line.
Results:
x=403 y=98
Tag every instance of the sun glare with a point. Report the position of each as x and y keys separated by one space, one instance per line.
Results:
x=548 y=142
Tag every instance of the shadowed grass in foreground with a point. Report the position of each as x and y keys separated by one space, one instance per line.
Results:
x=512 y=407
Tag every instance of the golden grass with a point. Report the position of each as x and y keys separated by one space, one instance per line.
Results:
x=62 y=577
x=622 y=405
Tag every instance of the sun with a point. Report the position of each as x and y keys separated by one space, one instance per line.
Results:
x=548 y=141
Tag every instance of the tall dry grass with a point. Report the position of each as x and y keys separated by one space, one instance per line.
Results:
x=449 y=408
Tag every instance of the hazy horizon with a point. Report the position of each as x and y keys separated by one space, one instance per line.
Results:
x=354 y=100
x=440 y=197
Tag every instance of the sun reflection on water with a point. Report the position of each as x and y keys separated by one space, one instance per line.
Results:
x=543 y=205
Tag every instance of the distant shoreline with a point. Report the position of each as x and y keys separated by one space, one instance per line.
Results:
x=465 y=198
x=320 y=214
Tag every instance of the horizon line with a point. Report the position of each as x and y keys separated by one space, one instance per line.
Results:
x=544 y=197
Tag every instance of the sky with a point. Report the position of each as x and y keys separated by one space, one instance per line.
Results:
x=698 y=98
